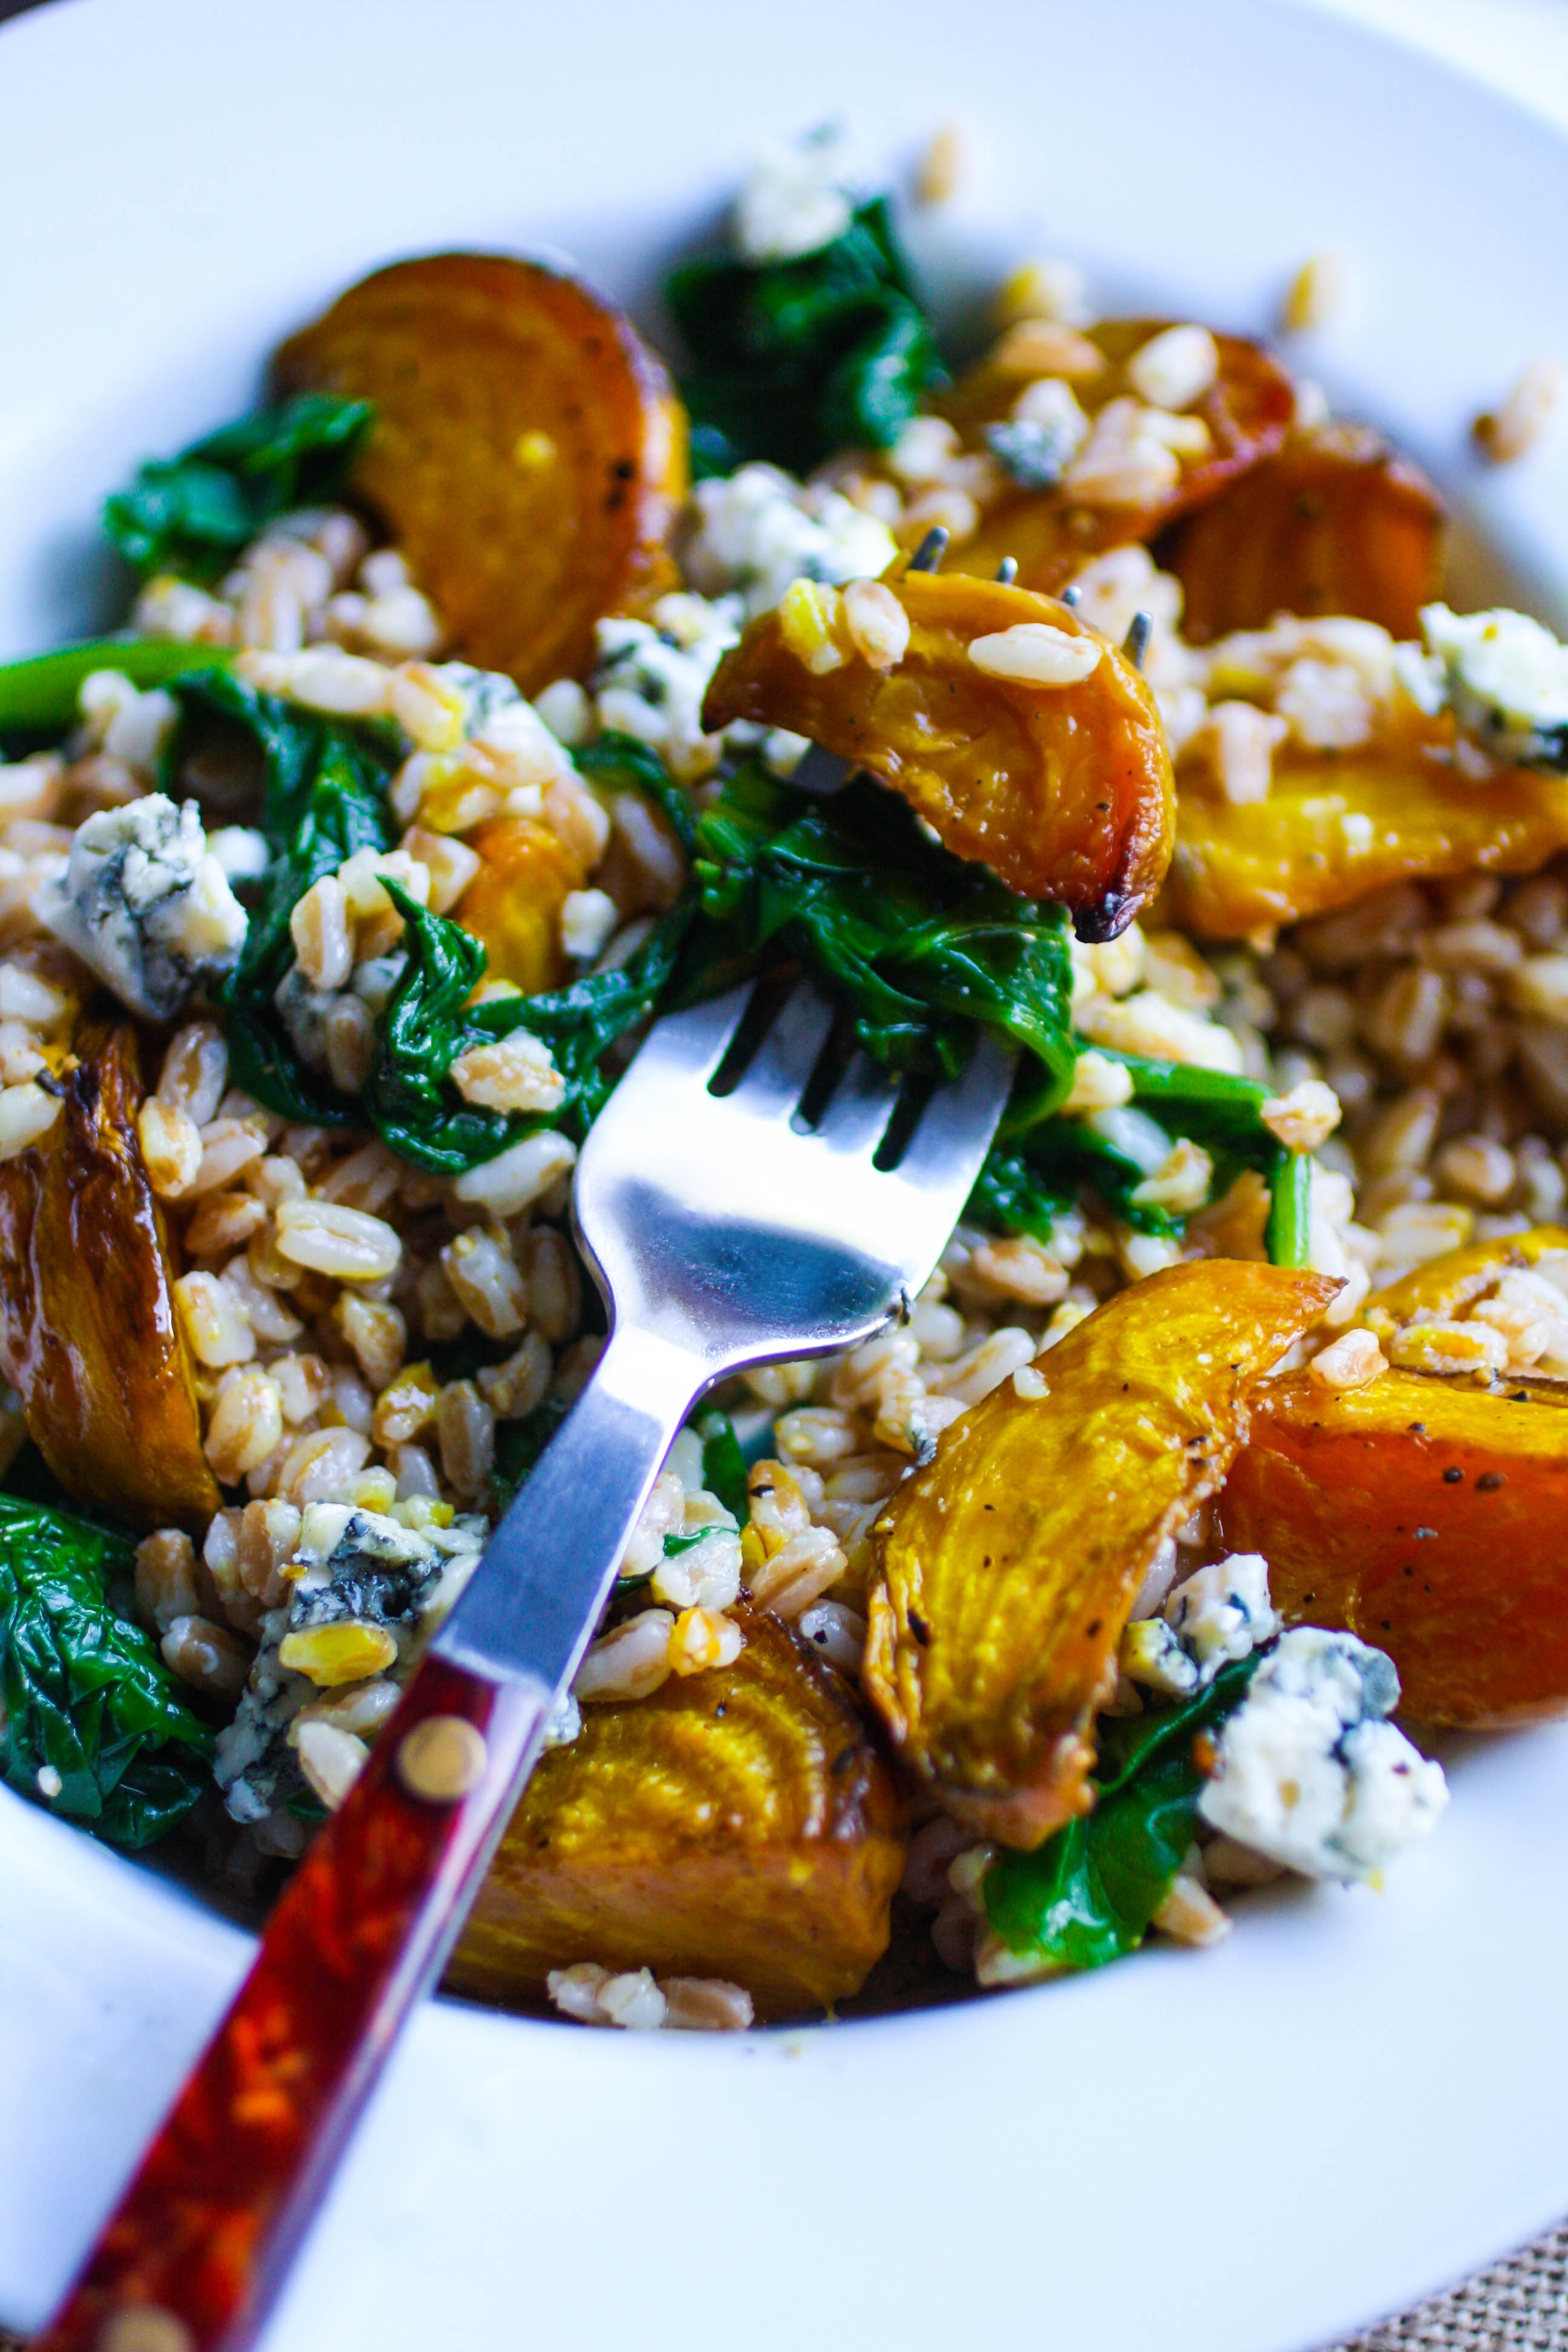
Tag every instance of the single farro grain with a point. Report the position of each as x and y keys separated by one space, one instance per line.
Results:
x=320 y=1465
x=328 y=1238
x=516 y=1176
x=166 y=1579
x=376 y=1333
x=321 y=929
x=246 y=1424
x=221 y=1223
x=485 y=1276
x=206 y=1655
x=514 y=1388
x=1348 y=1362
x=705 y=2005
x=27 y=1114
x=629 y=1663
x=701 y=1639
x=170 y=1148
x=215 y=1327
x=466 y=1432
x=330 y=1758
x=515 y=1074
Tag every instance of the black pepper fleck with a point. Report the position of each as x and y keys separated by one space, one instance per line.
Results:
x=1454 y=1476
x=1489 y=1481
x=918 y=1628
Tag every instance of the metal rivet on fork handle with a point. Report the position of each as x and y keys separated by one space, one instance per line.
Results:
x=442 y=1760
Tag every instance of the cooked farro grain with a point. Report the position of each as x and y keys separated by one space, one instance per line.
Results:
x=206 y=1656
x=246 y=1426
x=1348 y=1362
x=629 y=1662
x=331 y=1758
x=1316 y=294
x=167 y=1586
x=327 y=1238
x=1511 y=430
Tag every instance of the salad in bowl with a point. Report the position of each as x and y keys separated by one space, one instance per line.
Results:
x=490 y=691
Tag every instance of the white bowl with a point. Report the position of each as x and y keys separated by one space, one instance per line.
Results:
x=1357 y=2096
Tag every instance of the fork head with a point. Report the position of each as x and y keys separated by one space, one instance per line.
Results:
x=751 y=1191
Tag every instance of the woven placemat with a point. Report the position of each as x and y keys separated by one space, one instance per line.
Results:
x=1519 y=2304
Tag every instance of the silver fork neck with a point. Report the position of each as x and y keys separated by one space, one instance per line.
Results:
x=550 y=1565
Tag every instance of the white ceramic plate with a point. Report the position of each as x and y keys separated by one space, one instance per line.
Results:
x=1357 y=2096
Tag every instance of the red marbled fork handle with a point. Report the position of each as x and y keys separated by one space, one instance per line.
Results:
x=200 y=2241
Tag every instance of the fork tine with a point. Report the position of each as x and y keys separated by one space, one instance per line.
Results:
x=688 y=1045
x=941 y=1156
x=773 y=1082
x=860 y=1107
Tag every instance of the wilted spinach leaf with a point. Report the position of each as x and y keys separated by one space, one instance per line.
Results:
x=922 y=944
x=426 y=1024
x=1030 y=1179
x=1089 y=1894
x=323 y=797
x=86 y=1696
x=193 y=513
x=39 y=696
x=724 y=1465
x=792 y=360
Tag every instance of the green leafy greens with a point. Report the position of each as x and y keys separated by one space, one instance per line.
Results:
x=39 y=696
x=1089 y=1894
x=923 y=944
x=792 y=359
x=86 y=1696
x=193 y=514
x=323 y=797
x=1031 y=1180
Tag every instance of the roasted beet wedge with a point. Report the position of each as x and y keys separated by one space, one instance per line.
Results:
x=1428 y=1517
x=1063 y=790
x=527 y=454
x=88 y=1335
x=736 y=1824
x=1337 y=826
x=1007 y=1566
x=1336 y=521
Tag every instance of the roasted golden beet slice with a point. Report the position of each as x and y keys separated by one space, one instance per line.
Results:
x=1051 y=534
x=1339 y=825
x=1336 y=522
x=1063 y=790
x=527 y=454
x=88 y=1331
x=735 y=1824
x=1006 y=1567
x=1429 y=1517
x=513 y=903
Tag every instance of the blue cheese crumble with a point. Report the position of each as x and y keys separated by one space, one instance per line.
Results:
x=1221 y=1614
x=793 y=200
x=1503 y=676
x=356 y=1569
x=1309 y=1770
x=147 y=905
x=651 y=676
x=759 y=531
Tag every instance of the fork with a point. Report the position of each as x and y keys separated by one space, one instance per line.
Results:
x=736 y=1206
